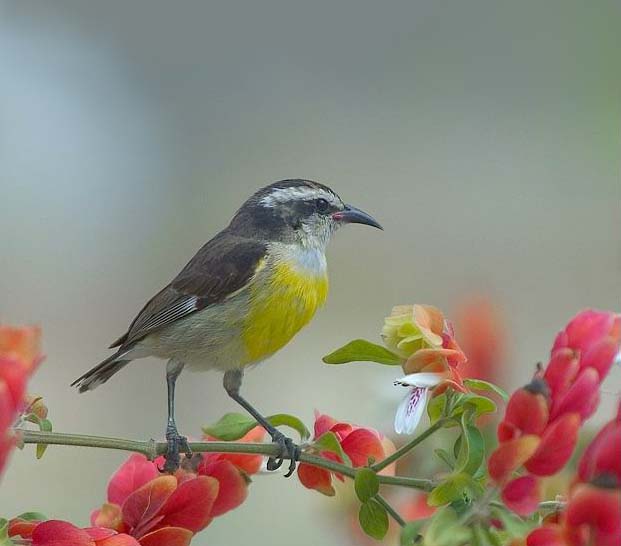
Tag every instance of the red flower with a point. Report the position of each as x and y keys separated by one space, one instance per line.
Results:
x=63 y=533
x=593 y=512
x=359 y=444
x=159 y=510
x=553 y=406
x=19 y=356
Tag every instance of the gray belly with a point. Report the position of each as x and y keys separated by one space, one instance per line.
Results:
x=205 y=340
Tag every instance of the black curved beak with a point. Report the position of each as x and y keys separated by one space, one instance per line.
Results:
x=352 y=215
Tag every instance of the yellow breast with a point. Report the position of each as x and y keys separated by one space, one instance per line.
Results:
x=281 y=303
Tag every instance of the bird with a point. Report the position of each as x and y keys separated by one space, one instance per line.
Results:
x=242 y=297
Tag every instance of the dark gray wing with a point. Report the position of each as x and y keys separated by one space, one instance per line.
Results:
x=222 y=266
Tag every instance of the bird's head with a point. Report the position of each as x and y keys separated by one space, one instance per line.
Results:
x=297 y=211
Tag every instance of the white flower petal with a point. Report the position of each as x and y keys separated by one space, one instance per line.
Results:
x=618 y=359
x=410 y=410
x=424 y=379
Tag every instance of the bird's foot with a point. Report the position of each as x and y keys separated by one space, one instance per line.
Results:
x=176 y=444
x=288 y=449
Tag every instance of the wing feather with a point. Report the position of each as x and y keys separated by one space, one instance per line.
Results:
x=221 y=267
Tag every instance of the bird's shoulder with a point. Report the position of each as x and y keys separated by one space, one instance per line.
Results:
x=220 y=268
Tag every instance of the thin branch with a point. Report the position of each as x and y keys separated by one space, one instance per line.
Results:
x=393 y=513
x=404 y=450
x=151 y=449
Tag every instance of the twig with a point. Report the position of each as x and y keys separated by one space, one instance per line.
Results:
x=401 y=452
x=152 y=449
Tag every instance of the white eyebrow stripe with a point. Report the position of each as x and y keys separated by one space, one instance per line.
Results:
x=282 y=195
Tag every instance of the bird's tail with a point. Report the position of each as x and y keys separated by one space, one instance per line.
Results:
x=101 y=373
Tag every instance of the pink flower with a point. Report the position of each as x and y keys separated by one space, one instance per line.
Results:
x=542 y=420
x=358 y=443
x=421 y=335
x=19 y=357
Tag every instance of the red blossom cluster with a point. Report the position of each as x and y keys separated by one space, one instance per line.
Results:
x=593 y=511
x=541 y=423
x=358 y=443
x=19 y=357
x=150 y=509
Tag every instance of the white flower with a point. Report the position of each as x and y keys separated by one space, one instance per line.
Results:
x=411 y=409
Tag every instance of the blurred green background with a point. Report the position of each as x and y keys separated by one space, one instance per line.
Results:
x=483 y=135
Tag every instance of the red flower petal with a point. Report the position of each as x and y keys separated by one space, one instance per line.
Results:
x=522 y=495
x=22 y=527
x=509 y=456
x=561 y=371
x=588 y=327
x=600 y=356
x=527 y=411
x=142 y=507
x=557 y=445
x=119 y=540
x=250 y=464
x=131 y=475
x=581 y=397
x=110 y=516
x=603 y=455
x=361 y=445
x=190 y=504
x=233 y=486
x=99 y=533
x=60 y=533
x=167 y=536
x=549 y=535
x=316 y=478
x=597 y=508
x=323 y=423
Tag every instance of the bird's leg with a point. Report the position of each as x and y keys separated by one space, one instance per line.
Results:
x=288 y=449
x=176 y=443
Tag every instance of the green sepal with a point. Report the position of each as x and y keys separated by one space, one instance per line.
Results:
x=360 y=350
x=410 y=532
x=444 y=529
x=457 y=487
x=32 y=516
x=366 y=484
x=373 y=519
x=328 y=441
x=4 y=533
x=232 y=426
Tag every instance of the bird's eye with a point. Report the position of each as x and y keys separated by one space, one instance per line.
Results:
x=322 y=205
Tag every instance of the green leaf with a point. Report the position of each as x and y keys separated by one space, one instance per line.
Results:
x=444 y=529
x=366 y=484
x=411 y=532
x=32 y=516
x=469 y=448
x=435 y=407
x=45 y=425
x=445 y=457
x=373 y=519
x=451 y=489
x=328 y=441
x=361 y=350
x=478 y=404
x=4 y=533
x=480 y=385
x=232 y=426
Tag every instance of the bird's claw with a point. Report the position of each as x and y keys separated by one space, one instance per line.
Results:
x=288 y=449
x=176 y=444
